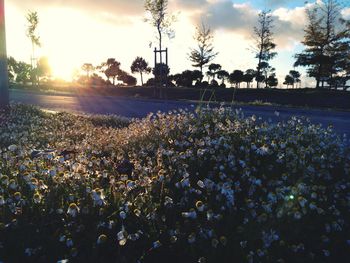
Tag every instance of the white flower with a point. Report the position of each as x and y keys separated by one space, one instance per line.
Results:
x=69 y=242
x=122 y=214
x=12 y=148
x=73 y=210
x=263 y=150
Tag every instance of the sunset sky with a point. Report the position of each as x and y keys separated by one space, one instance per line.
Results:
x=89 y=31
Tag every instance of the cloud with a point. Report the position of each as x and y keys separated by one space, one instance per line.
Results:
x=118 y=8
x=346 y=13
x=241 y=18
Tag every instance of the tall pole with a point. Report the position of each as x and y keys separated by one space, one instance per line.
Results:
x=4 y=81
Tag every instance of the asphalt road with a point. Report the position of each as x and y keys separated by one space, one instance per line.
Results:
x=138 y=108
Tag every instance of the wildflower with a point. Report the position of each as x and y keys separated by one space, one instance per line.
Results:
x=12 y=184
x=101 y=239
x=122 y=214
x=263 y=150
x=121 y=236
x=134 y=237
x=12 y=148
x=17 y=196
x=37 y=198
x=156 y=244
x=173 y=239
x=191 y=238
x=137 y=212
x=98 y=197
x=200 y=206
x=73 y=210
x=214 y=242
x=69 y=242
x=191 y=214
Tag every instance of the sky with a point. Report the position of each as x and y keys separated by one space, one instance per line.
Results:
x=74 y=32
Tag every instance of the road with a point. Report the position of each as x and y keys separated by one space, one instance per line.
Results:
x=138 y=108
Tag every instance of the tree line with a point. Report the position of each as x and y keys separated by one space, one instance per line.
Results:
x=326 y=54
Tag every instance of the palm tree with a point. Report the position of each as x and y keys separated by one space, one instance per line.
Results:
x=4 y=93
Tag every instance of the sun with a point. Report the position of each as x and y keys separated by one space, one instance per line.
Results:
x=61 y=69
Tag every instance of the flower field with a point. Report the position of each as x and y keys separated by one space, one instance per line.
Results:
x=208 y=186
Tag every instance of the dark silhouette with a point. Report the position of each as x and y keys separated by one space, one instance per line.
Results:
x=249 y=76
x=140 y=65
x=204 y=53
x=264 y=46
x=213 y=70
x=236 y=77
x=327 y=52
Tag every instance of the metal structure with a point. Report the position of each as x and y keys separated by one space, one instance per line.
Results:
x=4 y=81
x=162 y=80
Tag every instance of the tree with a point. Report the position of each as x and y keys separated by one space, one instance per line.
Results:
x=236 y=77
x=222 y=75
x=289 y=81
x=296 y=76
x=159 y=18
x=113 y=69
x=272 y=81
x=23 y=72
x=212 y=70
x=4 y=93
x=126 y=78
x=187 y=77
x=264 y=44
x=204 y=53
x=140 y=65
x=249 y=76
x=327 y=42
x=159 y=70
x=33 y=21
x=87 y=68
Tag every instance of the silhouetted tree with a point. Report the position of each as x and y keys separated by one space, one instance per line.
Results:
x=113 y=69
x=159 y=18
x=33 y=21
x=159 y=70
x=204 y=53
x=264 y=44
x=4 y=93
x=140 y=65
x=223 y=75
x=272 y=81
x=187 y=77
x=87 y=68
x=326 y=40
x=296 y=76
x=289 y=81
x=126 y=78
x=212 y=70
x=249 y=76
x=236 y=77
